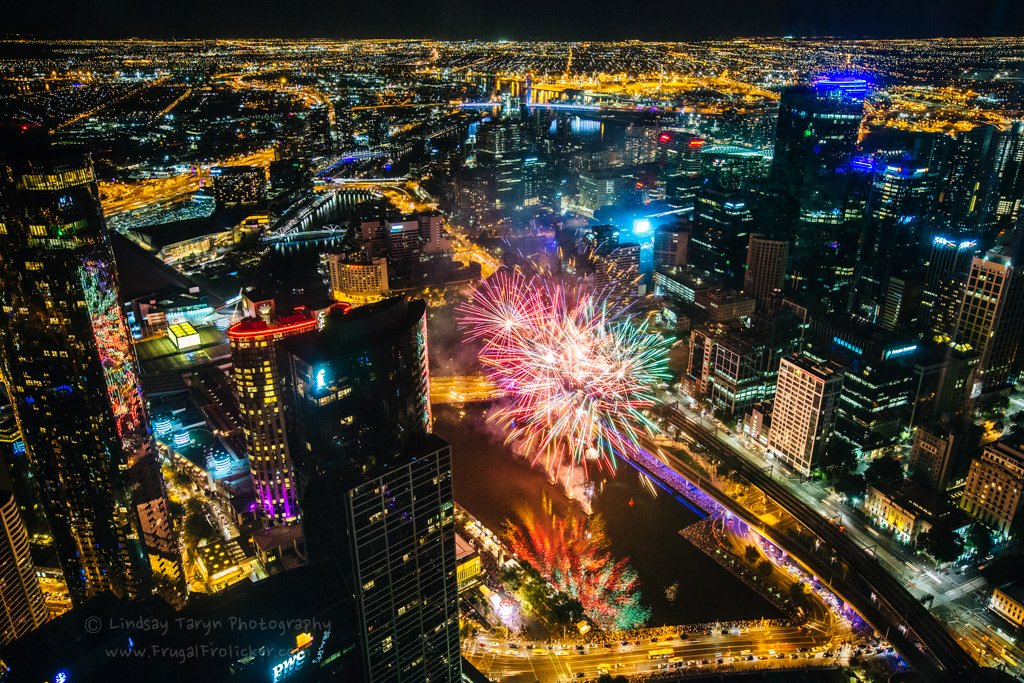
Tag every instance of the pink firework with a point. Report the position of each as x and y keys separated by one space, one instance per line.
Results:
x=579 y=375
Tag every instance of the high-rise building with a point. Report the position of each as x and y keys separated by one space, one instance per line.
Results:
x=817 y=131
x=992 y=493
x=617 y=272
x=602 y=187
x=73 y=376
x=766 y=269
x=810 y=198
x=721 y=222
x=806 y=394
x=941 y=453
x=357 y=279
x=22 y=607
x=947 y=265
x=732 y=168
x=991 y=317
x=376 y=485
x=670 y=245
x=258 y=373
x=967 y=183
x=1009 y=175
x=239 y=185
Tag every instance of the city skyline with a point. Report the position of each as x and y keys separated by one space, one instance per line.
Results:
x=437 y=360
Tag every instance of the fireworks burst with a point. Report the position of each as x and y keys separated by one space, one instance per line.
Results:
x=573 y=555
x=578 y=373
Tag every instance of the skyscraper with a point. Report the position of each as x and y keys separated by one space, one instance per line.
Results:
x=376 y=489
x=817 y=132
x=995 y=482
x=720 y=224
x=22 y=607
x=259 y=376
x=1009 y=175
x=806 y=394
x=947 y=265
x=991 y=317
x=73 y=378
x=766 y=268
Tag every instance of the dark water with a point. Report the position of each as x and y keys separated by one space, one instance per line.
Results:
x=492 y=484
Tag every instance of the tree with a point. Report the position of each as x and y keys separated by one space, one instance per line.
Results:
x=608 y=678
x=980 y=538
x=942 y=543
x=763 y=569
x=884 y=468
x=838 y=459
x=751 y=554
x=197 y=528
x=797 y=593
x=182 y=478
x=851 y=485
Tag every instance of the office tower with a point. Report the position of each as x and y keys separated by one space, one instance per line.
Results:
x=992 y=493
x=901 y=303
x=22 y=607
x=948 y=263
x=809 y=198
x=73 y=378
x=404 y=244
x=816 y=133
x=766 y=269
x=721 y=221
x=617 y=273
x=806 y=394
x=901 y=197
x=944 y=375
x=376 y=485
x=732 y=169
x=258 y=375
x=990 y=318
x=670 y=245
x=1009 y=175
x=239 y=185
x=602 y=187
x=941 y=453
x=744 y=371
x=679 y=152
x=967 y=183
x=357 y=279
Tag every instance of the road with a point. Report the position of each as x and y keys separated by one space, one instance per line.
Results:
x=122 y=197
x=462 y=389
x=562 y=661
x=876 y=593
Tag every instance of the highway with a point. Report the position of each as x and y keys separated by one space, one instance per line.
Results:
x=462 y=389
x=879 y=596
x=122 y=197
x=771 y=647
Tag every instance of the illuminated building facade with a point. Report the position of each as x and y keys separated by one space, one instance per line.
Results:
x=22 y=607
x=617 y=272
x=991 y=316
x=948 y=263
x=670 y=245
x=992 y=493
x=258 y=377
x=73 y=375
x=721 y=221
x=806 y=395
x=239 y=185
x=358 y=282
x=766 y=269
x=376 y=485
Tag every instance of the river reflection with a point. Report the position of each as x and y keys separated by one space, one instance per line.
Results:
x=679 y=584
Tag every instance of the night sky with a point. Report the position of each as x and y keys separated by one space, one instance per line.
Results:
x=512 y=19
